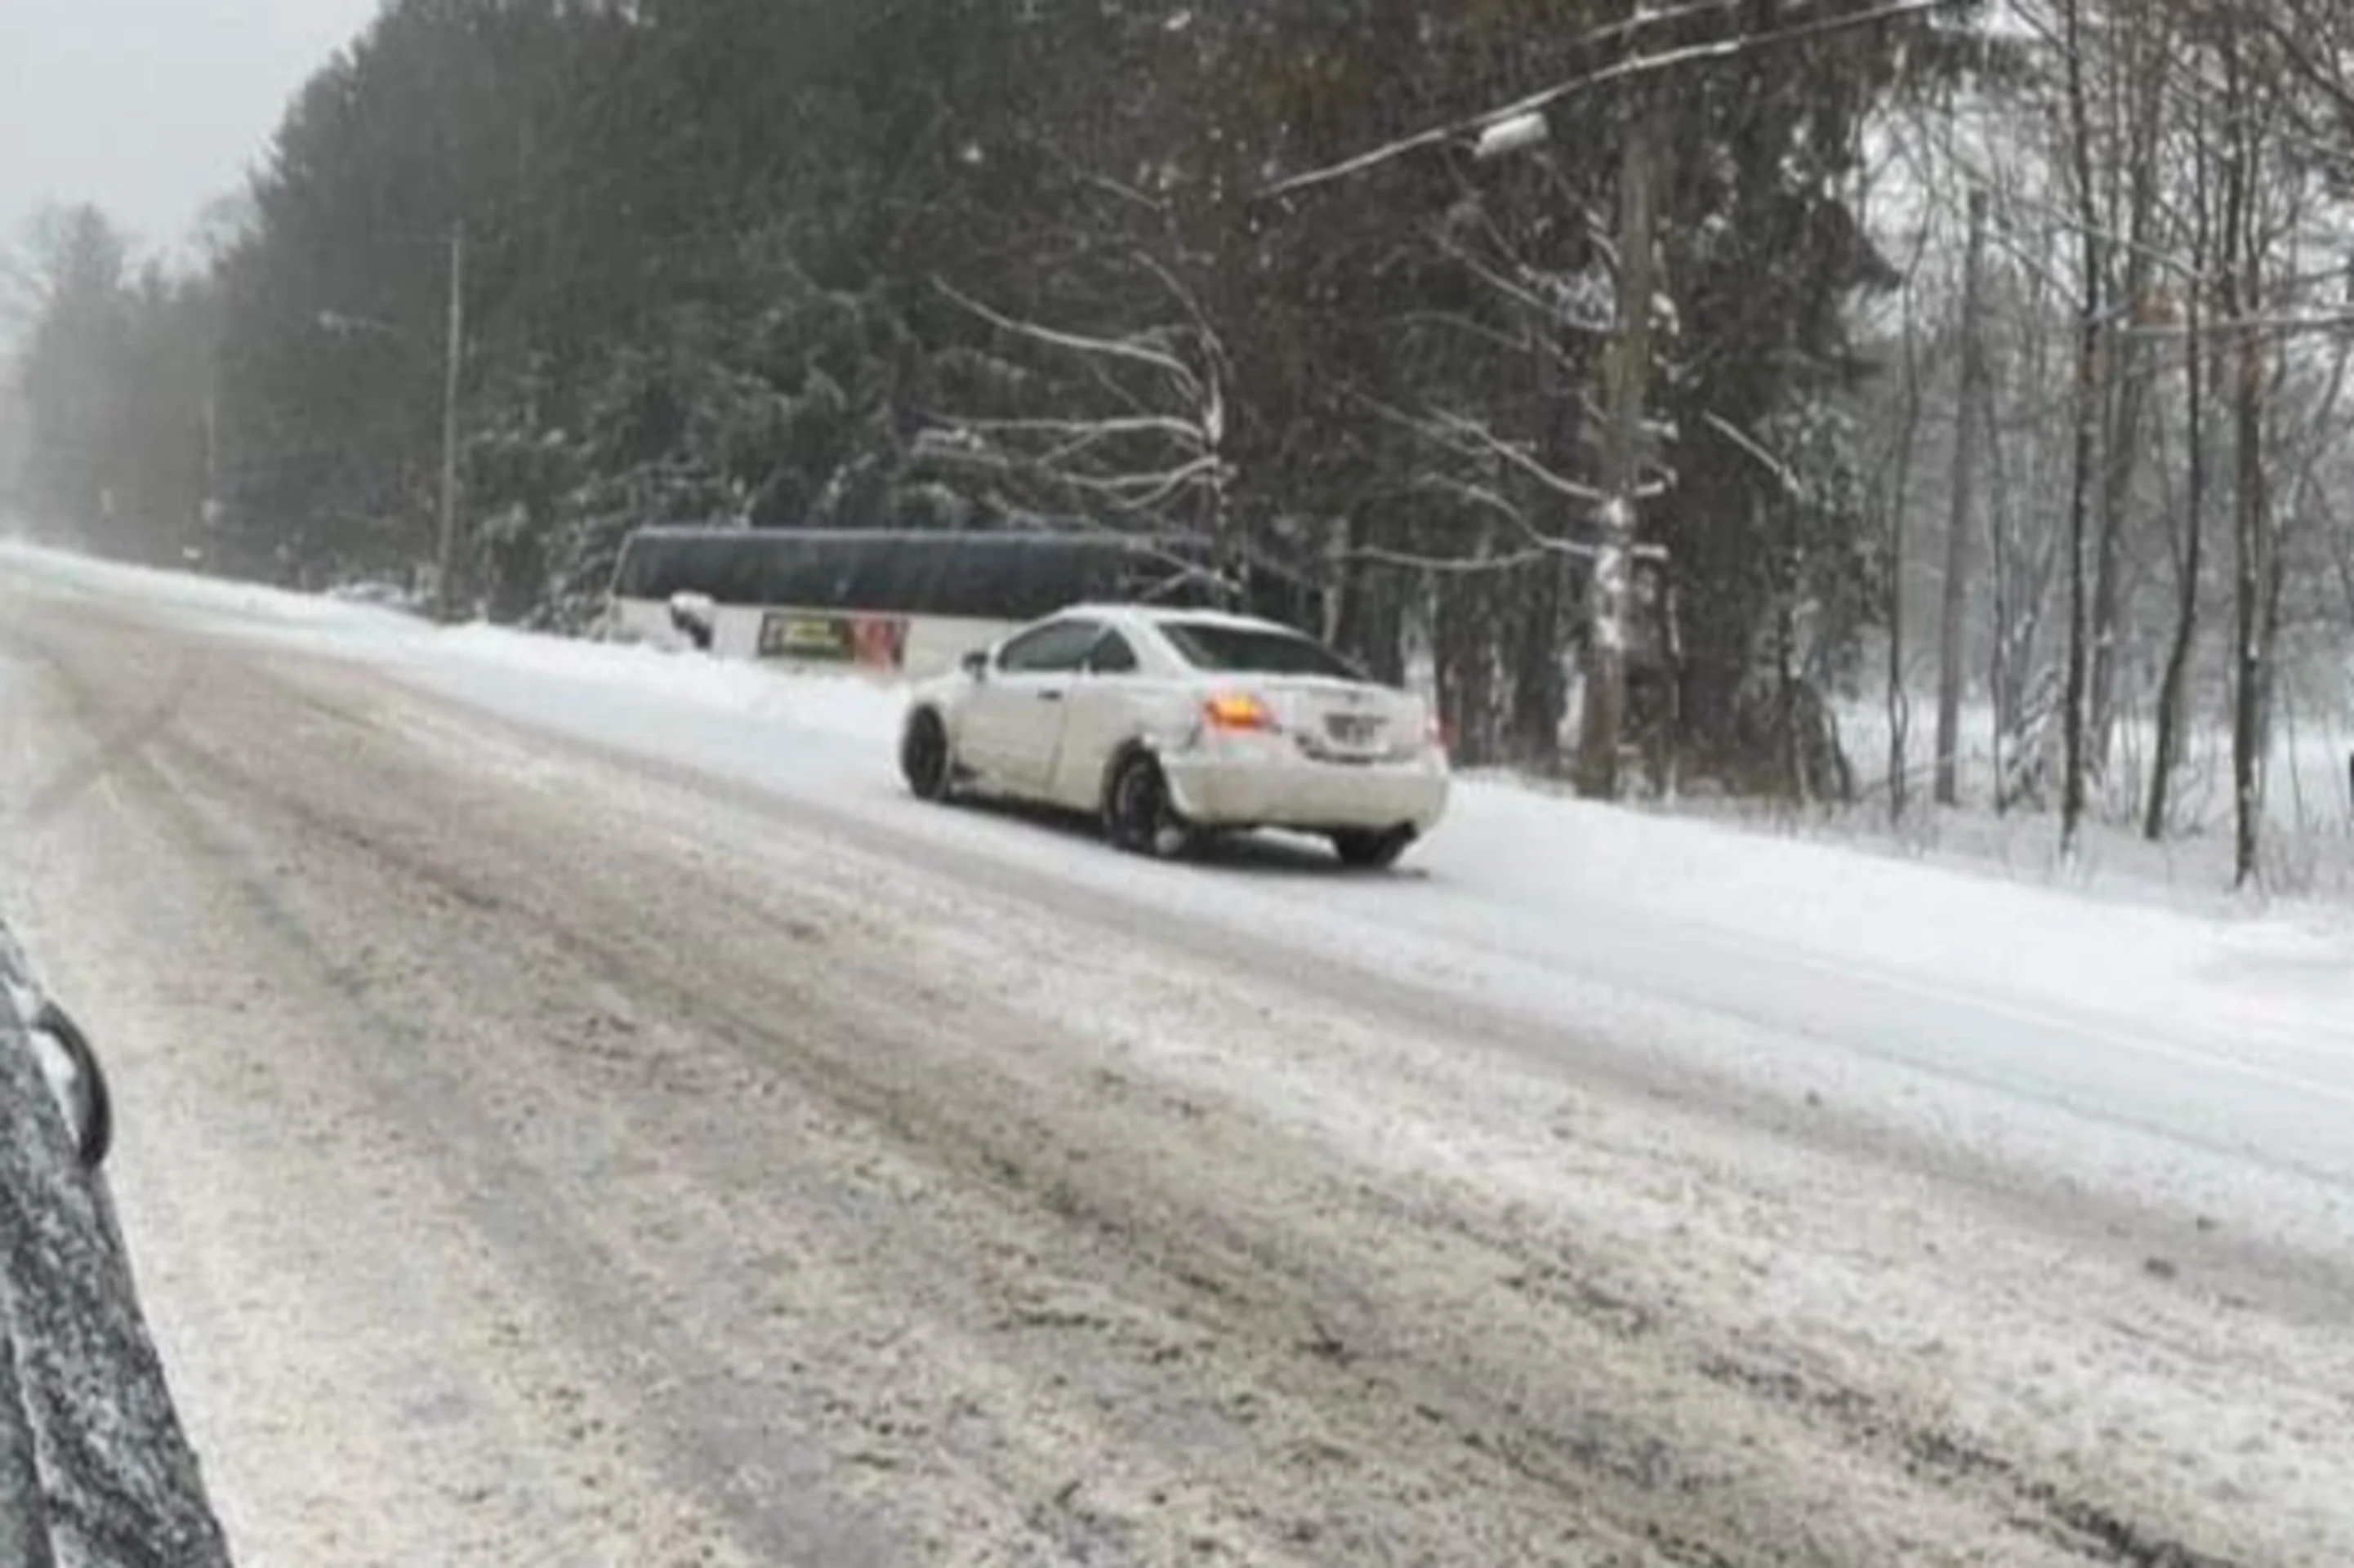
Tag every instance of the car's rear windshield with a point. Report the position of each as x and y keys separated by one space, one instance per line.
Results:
x=1251 y=651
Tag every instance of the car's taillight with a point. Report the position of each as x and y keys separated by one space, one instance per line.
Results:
x=1238 y=711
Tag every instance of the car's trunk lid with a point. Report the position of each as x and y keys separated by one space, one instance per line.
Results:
x=1343 y=721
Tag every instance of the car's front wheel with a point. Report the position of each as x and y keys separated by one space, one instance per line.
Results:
x=1138 y=815
x=924 y=760
x=1363 y=851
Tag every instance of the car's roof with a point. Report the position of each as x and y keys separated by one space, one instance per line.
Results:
x=1162 y=614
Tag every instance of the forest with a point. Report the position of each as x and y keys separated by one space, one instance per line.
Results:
x=1984 y=362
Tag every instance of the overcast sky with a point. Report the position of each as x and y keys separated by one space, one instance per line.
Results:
x=149 y=107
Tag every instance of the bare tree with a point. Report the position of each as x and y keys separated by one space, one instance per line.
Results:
x=2243 y=298
x=2087 y=415
x=1968 y=405
x=1155 y=457
x=2139 y=58
x=1894 y=492
x=2193 y=532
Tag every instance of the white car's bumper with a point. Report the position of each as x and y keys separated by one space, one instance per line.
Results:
x=1265 y=784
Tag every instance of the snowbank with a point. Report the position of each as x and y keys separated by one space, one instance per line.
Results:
x=849 y=705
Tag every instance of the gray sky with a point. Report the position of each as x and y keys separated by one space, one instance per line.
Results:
x=149 y=107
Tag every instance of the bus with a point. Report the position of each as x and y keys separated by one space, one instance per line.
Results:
x=906 y=602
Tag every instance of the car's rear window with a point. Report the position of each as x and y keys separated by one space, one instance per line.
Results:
x=1248 y=650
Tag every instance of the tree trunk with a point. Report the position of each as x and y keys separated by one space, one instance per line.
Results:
x=2244 y=295
x=1466 y=648
x=2186 y=604
x=2122 y=448
x=1999 y=674
x=1539 y=692
x=2088 y=351
x=2249 y=575
x=1956 y=603
x=1541 y=686
x=2196 y=382
x=1361 y=617
x=2145 y=65
x=1894 y=498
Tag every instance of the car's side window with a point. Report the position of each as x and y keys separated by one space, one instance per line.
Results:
x=1059 y=645
x=1112 y=655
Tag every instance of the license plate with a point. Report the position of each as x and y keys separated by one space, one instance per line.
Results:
x=1354 y=730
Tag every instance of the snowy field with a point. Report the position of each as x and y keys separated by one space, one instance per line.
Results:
x=2157 y=1045
x=2307 y=847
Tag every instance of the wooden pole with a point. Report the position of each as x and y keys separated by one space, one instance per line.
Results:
x=1603 y=728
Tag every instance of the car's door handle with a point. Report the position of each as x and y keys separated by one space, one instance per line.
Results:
x=1050 y=696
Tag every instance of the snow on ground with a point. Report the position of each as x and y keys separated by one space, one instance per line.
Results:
x=2212 y=1055
x=2197 y=1061
x=2307 y=847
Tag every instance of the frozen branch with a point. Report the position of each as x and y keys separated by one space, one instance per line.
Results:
x=1545 y=549
x=2263 y=326
x=1104 y=429
x=1478 y=438
x=1131 y=349
x=1640 y=65
x=1554 y=311
x=1138 y=491
x=1126 y=193
x=1755 y=448
x=1464 y=566
x=1471 y=438
x=1477 y=495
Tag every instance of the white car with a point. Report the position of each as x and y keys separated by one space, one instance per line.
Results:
x=1172 y=723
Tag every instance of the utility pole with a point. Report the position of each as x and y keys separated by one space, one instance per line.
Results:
x=209 y=504
x=212 y=443
x=453 y=372
x=1609 y=589
x=1958 y=524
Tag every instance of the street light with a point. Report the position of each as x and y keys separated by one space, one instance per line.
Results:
x=1515 y=133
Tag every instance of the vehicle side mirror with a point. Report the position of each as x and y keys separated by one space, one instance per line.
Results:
x=976 y=663
x=78 y=1081
x=696 y=615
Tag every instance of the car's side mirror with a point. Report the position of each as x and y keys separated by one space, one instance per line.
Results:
x=696 y=615
x=78 y=1081
x=976 y=663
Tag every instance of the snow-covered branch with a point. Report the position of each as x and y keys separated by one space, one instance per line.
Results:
x=1479 y=495
x=2270 y=325
x=1756 y=449
x=1473 y=437
x=1558 y=309
x=1138 y=349
x=1476 y=437
x=1464 y=566
x=1160 y=442
x=1094 y=429
x=1634 y=68
x=1137 y=491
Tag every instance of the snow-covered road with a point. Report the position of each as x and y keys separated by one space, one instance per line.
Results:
x=577 y=1110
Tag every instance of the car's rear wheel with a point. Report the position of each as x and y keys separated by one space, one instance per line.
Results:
x=924 y=758
x=1138 y=815
x=1372 y=851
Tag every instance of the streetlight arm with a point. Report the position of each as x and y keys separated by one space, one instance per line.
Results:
x=346 y=325
x=1512 y=117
